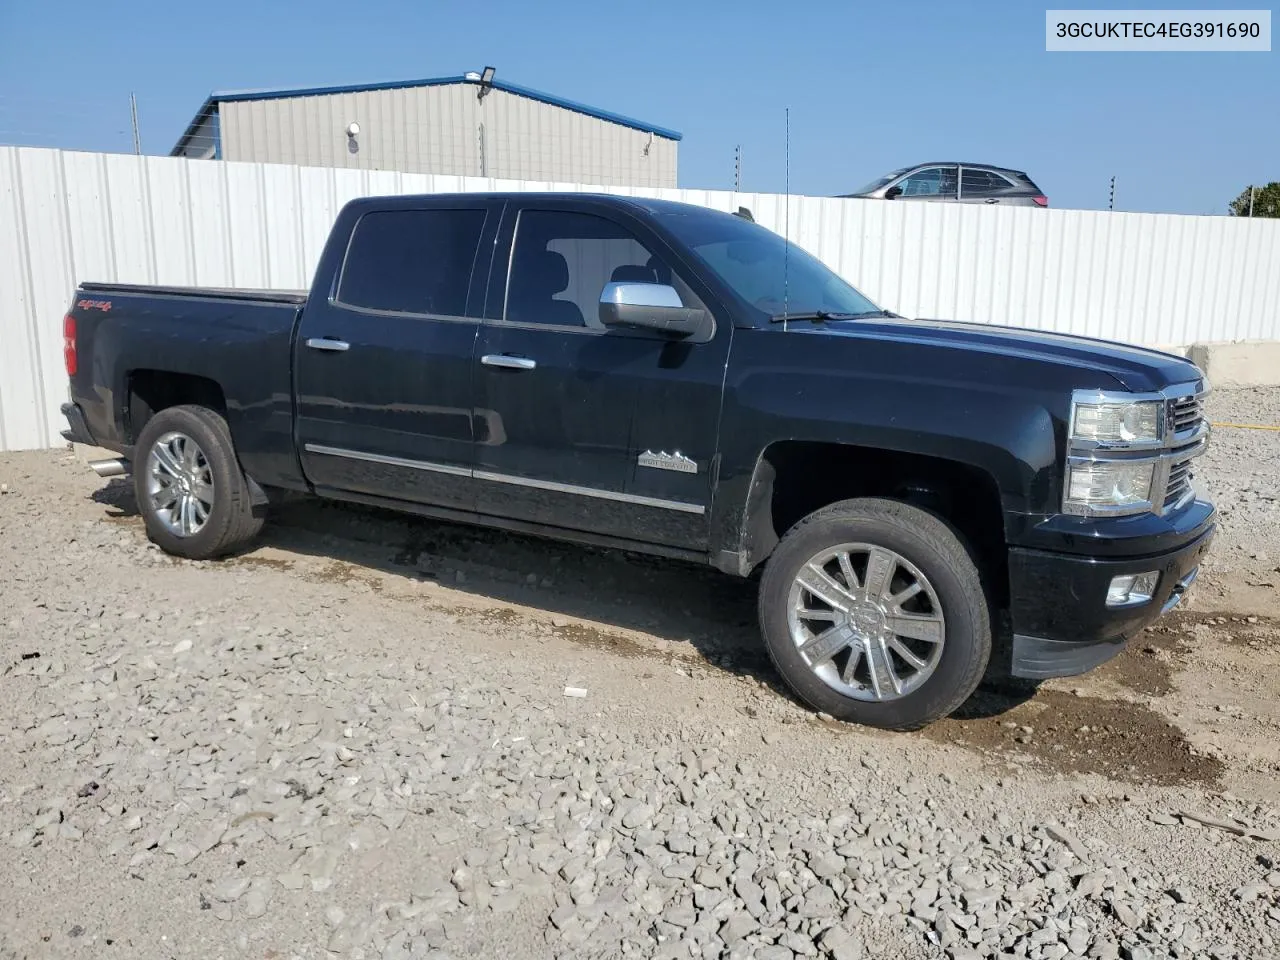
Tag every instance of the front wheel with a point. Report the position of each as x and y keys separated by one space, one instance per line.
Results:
x=193 y=496
x=873 y=611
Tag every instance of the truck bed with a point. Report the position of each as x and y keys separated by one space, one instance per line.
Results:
x=293 y=297
x=233 y=348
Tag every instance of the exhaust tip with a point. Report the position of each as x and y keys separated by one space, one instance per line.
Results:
x=110 y=468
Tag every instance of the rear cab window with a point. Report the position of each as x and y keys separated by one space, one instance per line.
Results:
x=412 y=262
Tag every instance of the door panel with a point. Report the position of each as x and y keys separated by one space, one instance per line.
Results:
x=564 y=436
x=391 y=414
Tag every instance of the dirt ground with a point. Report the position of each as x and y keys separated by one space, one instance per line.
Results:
x=1186 y=720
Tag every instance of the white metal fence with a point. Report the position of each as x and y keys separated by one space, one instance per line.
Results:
x=71 y=217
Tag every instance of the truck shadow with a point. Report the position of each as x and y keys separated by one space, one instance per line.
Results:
x=671 y=600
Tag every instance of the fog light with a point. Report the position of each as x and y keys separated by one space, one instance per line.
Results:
x=1132 y=589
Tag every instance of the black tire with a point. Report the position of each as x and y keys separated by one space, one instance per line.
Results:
x=232 y=522
x=934 y=548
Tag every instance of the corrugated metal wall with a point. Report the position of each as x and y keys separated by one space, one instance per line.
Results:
x=439 y=129
x=70 y=217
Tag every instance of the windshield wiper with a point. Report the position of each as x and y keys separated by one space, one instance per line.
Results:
x=813 y=316
x=822 y=316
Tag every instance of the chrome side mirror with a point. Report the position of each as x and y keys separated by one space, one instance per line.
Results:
x=650 y=306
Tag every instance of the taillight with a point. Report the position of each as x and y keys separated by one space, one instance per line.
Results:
x=1041 y=201
x=69 y=344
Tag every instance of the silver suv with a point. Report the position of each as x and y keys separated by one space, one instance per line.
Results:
x=956 y=183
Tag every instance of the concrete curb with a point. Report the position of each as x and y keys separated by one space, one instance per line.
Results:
x=1244 y=363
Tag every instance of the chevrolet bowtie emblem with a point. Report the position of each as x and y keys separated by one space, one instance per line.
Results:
x=667 y=461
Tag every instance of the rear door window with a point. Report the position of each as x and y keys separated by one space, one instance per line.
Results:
x=412 y=261
x=974 y=181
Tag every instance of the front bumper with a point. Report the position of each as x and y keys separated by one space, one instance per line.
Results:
x=1062 y=625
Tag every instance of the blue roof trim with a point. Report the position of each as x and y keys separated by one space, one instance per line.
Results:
x=224 y=96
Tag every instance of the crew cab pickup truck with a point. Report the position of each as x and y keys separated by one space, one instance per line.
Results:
x=925 y=503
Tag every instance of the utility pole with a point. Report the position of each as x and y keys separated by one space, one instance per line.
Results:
x=786 y=229
x=737 y=169
x=1252 y=193
x=1111 y=201
x=133 y=111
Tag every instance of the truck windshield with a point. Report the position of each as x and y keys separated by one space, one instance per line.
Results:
x=757 y=265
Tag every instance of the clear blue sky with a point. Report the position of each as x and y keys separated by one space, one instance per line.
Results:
x=871 y=86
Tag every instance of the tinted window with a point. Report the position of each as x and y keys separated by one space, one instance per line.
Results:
x=768 y=274
x=930 y=182
x=561 y=262
x=982 y=181
x=880 y=182
x=412 y=261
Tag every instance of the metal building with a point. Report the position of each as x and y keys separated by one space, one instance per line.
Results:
x=473 y=125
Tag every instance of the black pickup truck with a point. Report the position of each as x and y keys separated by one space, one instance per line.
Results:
x=925 y=502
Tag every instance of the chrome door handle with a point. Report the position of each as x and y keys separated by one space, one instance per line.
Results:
x=336 y=346
x=508 y=363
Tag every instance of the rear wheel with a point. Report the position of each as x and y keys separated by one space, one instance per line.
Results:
x=193 y=496
x=873 y=611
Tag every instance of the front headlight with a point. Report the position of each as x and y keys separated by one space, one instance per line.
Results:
x=1118 y=422
x=1109 y=487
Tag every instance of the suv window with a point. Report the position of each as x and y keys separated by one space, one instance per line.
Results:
x=930 y=182
x=974 y=181
x=412 y=261
x=561 y=261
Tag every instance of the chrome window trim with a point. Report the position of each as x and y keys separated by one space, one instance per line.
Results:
x=403 y=314
x=569 y=488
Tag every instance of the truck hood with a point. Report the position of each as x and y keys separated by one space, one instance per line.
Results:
x=1137 y=369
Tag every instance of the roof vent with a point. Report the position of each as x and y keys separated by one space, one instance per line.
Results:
x=472 y=76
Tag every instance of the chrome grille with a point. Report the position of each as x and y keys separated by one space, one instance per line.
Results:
x=1178 y=489
x=1185 y=414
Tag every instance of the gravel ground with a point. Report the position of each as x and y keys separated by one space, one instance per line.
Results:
x=359 y=740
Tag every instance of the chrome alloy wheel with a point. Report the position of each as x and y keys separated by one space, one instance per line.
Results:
x=180 y=484
x=867 y=621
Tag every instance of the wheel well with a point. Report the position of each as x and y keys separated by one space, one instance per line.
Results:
x=796 y=478
x=151 y=391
